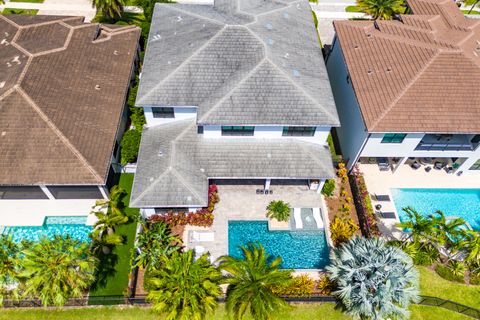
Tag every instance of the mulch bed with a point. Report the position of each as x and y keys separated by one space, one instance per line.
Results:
x=335 y=203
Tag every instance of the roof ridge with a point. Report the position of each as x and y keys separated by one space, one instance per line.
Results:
x=401 y=93
x=303 y=146
x=64 y=47
x=57 y=131
x=186 y=185
x=185 y=62
x=154 y=183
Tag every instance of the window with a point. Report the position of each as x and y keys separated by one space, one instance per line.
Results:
x=75 y=192
x=200 y=130
x=115 y=149
x=237 y=130
x=22 y=193
x=476 y=165
x=393 y=137
x=298 y=131
x=163 y=112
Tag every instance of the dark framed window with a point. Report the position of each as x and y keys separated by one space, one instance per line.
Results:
x=75 y=192
x=475 y=139
x=163 y=112
x=200 y=129
x=13 y=193
x=476 y=165
x=238 y=130
x=298 y=131
x=393 y=137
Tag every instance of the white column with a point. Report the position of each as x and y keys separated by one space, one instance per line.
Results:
x=320 y=186
x=267 y=184
x=103 y=192
x=401 y=163
x=47 y=192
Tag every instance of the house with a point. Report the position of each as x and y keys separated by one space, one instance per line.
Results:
x=63 y=86
x=406 y=89
x=236 y=91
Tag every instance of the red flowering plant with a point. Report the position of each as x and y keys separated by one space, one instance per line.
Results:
x=202 y=217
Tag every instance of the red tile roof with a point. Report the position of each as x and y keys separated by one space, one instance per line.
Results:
x=419 y=74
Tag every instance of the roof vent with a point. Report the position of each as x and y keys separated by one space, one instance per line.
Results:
x=98 y=32
x=355 y=46
x=202 y=170
x=397 y=17
x=115 y=53
x=97 y=87
x=4 y=133
x=160 y=153
x=269 y=155
x=179 y=19
x=375 y=24
x=269 y=26
x=389 y=69
x=370 y=71
x=369 y=35
x=2 y=84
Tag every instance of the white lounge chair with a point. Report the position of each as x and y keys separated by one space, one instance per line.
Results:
x=201 y=236
x=317 y=217
x=297 y=215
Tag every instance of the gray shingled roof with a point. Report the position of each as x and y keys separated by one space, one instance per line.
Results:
x=175 y=163
x=259 y=64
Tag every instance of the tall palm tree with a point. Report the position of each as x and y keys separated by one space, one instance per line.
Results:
x=155 y=241
x=380 y=9
x=183 y=287
x=10 y=268
x=420 y=228
x=375 y=281
x=447 y=232
x=109 y=8
x=110 y=214
x=57 y=269
x=251 y=281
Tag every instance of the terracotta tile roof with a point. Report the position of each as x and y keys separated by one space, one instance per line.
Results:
x=62 y=94
x=417 y=74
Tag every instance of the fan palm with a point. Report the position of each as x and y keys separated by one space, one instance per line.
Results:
x=279 y=210
x=155 y=241
x=380 y=9
x=251 y=282
x=110 y=214
x=109 y=8
x=374 y=281
x=57 y=269
x=184 y=288
x=10 y=268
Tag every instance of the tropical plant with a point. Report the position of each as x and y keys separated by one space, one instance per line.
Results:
x=342 y=230
x=329 y=187
x=279 y=210
x=129 y=146
x=10 y=268
x=471 y=244
x=109 y=214
x=374 y=280
x=57 y=269
x=109 y=8
x=148 y=6
x=325 y=285
x=299 y=286
x=418 y=227
x=447 y=232
x=380 y=9
x=251 y=282
x=155 y=241
x=184 y=288
x=457 y=268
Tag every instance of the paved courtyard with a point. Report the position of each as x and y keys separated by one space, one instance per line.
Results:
x=240 y=202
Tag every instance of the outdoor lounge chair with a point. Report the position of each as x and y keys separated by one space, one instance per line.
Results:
x=388 y=215
x=202 y=236
x=438 y=165
x=297 y=216
x=317 y=217
x=415 y=165
x=383 y=164
x=381 y=197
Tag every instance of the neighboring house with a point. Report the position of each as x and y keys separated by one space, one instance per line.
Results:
x=63 y=86
x=407 y=89
x=235 y=91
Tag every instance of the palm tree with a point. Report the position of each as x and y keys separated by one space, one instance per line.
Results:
x=420 y=228
x=57 y=269
x=183 y=287
x=473 y=6
x=109 y=8
x=10 y=268
x=471 y=244
x=380 y=9
x=447 y=232
x=251 y=282
x=279 y=210
x=155 y=241
x=110 y=214
x=375 y=281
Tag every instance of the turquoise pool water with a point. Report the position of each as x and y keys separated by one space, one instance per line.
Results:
x=299 y=250
x=464 y=203
x=73 y=226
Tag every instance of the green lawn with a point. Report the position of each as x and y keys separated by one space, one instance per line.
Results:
x=31 y=12
x=431 y=284
x=114 y=278
x=472 y=12
x=352 y=9
x=30 y=1
x=298 y=312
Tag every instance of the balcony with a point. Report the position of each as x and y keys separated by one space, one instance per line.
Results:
x=448 y=142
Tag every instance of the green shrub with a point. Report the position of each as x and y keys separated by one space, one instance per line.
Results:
x=446 y=273
x=301 y=286
x=342 y=230
x=325 y=286
x=279 y=210
x=475 y=280
x=138 y=118
x=329 y=187
x=129 y=146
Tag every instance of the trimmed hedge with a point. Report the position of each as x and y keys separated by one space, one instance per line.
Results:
x=129 y=146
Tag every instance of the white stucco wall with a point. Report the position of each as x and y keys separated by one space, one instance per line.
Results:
x=181 y=113
x=269 y=132
x=352 y=132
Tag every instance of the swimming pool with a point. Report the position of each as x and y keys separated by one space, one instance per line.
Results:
x=73 y=226
x=299 y=250
x=464 y=203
